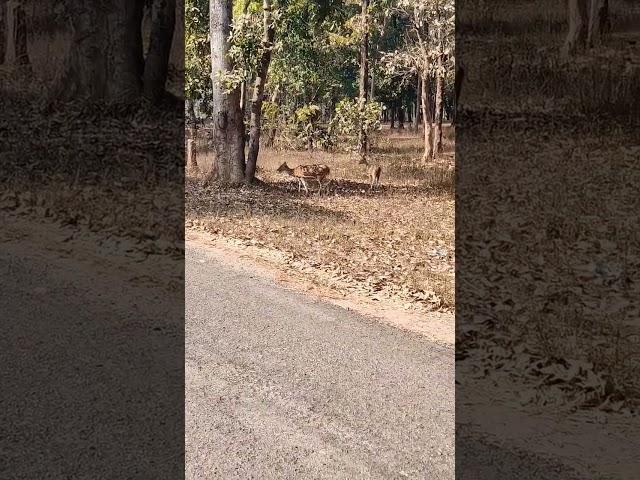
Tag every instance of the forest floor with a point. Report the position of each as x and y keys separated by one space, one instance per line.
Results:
x=548 y=207
x=394 y=244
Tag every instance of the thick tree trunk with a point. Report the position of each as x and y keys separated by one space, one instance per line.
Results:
x=437 y=131
x=105 y=63
x=416 y=118
x=156 y=66
x=258 y=92
x=578 y=26
x=228 y=129
x=363 y=141
x=426 y=117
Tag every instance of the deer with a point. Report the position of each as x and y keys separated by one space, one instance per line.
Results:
x=306 y=172
x=374 y=172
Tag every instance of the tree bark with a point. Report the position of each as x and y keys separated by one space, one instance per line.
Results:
x=258 y=91
x=106 y=60
x=598 y=22
x=578 y=26
x=426 y=117
x=437 y=131
x=156 y=66
x=274 y=130
x=192 y=160
x=392 y=114
x=228 y=129
x=363 y=141
x=416 y=118
x=21 y=53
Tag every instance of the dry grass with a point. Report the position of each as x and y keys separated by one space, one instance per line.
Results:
x=396 y=242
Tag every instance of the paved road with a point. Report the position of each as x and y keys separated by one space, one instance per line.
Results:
x=282 y=386
x=91 y=378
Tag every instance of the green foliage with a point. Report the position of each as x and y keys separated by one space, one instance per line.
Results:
x=349 y=115
x=270 y=114
x=197 y=51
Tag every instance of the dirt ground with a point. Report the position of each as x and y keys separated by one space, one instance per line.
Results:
x=344 y=238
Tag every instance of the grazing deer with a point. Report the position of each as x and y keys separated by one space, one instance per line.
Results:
x=374 y=172
x=306 y=172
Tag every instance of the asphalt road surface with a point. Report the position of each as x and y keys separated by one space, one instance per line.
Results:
x=280 y=385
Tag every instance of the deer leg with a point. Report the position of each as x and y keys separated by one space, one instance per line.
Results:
x=299 y=184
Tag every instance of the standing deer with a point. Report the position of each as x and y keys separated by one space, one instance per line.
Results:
x=306 y=172
x=374 y=172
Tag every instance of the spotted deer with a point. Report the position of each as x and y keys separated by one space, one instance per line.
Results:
x=306 y=172
x=373 y=172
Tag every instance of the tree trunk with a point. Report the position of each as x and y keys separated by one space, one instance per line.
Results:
x=192 y=160
x=392 y=114
x=416 y=118
x=598 y=21
x=363 y=141
x=228 y=128
x=21 y=53
x=105 y=62
x=191 y=111
x=426 y=116
x=258 y=92
x=372 y=86
x=274 y=129
x=437 y=132
x=578 y=25
x=156 y=67
x=400 y=116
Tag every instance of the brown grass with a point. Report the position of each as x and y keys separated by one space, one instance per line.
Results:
x=396 y=242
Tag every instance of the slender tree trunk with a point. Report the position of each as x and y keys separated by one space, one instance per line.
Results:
x=274 y=129
x=416 y=118
x=400 y=116
x=228 y=129
x=578 y=26
x=192 y=159
x=363 y=141
x=372 y=86
x=21 y=53
x=598 y=21
x=437 y=132
x=426 y=116
x=392 y=114
x=156 y=67
x=258 y=92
